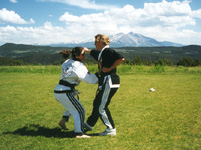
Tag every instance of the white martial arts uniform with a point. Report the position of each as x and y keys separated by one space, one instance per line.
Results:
x=73 y=72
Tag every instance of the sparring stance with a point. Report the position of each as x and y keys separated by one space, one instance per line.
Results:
x=108 y=59
x=73 y=72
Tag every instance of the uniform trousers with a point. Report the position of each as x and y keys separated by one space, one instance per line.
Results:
x=73 y=107
x=100 y=105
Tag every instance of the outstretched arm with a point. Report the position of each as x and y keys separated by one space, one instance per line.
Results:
x=87 y=50
x=93 y=53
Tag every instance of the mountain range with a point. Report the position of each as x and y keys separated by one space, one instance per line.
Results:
x=124 y=40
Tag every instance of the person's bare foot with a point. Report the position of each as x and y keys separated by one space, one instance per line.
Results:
x=62 y=124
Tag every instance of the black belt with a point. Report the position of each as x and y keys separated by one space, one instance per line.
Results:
x=65 y=91
x=62 y=82
x=108 y=73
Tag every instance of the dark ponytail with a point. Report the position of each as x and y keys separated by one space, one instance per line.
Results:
x=65 y=53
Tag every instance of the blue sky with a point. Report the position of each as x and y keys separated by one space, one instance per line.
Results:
x=46 y=22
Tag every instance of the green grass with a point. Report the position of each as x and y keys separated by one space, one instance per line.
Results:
x=169 y=118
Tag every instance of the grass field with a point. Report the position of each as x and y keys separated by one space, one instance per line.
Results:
x=167 y=119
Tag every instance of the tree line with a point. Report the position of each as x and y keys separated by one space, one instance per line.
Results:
x=186 y=61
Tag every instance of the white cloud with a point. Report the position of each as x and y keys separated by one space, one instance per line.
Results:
x=87 y=4
x=45 y=34
x=196 y=14
x=7 y=16
x=164 y=21
x=165 y=8
x=13 y=1
x=32 y=21
x=154 y=14
x=154 y=18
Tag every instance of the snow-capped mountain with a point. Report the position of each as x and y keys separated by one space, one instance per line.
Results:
x=136 y=40
x=126 y=40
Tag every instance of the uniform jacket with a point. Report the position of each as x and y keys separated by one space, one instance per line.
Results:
x=74 y=72
x=107 y=58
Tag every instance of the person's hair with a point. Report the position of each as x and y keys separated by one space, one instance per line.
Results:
x=102 y=38
x=75 y=52
x=65 y=53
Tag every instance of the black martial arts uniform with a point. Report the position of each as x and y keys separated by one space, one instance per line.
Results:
x=108 y=84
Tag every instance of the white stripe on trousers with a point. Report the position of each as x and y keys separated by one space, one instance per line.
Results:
x=75 y=108
x=103 y=103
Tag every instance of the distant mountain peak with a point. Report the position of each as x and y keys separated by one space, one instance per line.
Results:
x=124 y=40
x=136 y=40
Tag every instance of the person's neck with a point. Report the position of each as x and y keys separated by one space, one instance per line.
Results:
x=103 y=47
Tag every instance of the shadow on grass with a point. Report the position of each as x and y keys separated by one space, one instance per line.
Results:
x=37 y=130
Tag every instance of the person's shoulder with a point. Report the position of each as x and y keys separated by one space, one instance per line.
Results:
x=78 y=63
x=94 y=51
x=66 y=62
x=79 y=68
x=108 y=50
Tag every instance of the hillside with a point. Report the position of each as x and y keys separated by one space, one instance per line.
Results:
x=11 y=50
x=49 y=55
x=155 y=53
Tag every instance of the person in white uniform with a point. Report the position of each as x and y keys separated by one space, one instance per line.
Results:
x=73 y=72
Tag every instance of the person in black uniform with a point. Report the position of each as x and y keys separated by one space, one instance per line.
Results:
x=108 y=59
